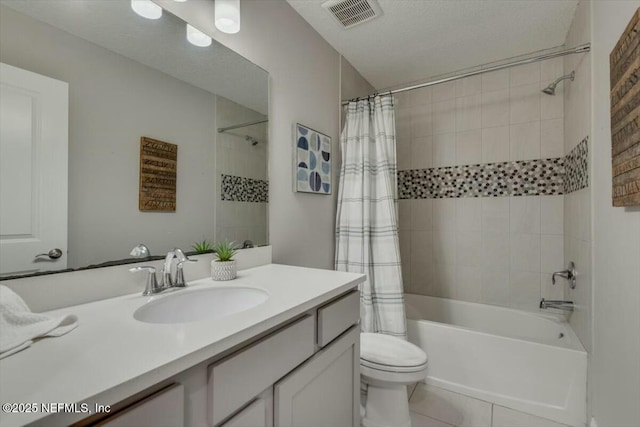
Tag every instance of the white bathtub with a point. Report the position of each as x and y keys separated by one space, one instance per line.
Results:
x=526 y=361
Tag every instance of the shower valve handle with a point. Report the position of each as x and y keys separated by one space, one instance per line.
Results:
x=569 y=274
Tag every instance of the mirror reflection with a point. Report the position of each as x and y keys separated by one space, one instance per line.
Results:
x=83 y=83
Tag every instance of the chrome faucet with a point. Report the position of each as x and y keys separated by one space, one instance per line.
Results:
x=182 y=258
x=557 y=304
x=167 y=282
x=152 y=286
x=179 y=282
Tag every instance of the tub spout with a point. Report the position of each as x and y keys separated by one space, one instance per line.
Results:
x=557 y=304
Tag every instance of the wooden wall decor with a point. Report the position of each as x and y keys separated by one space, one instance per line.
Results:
x=158 y=166
x=624 y=64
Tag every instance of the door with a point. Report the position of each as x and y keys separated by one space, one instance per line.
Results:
x=34 y=122
x=325 y=390
x=258 y=414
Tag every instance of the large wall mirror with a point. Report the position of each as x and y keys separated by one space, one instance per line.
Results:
x=70 y=170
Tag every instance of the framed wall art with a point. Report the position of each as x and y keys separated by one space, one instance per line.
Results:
x=158 y=167
x=624 y=63
x=312 y=161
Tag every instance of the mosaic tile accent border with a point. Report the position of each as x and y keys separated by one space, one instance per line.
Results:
x=241 y=189
x=576 y=165
x=543 y=177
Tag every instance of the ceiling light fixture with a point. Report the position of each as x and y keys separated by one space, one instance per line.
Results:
x=227 y=16
x=197 y=37
x=146 y=9
x=180 y=1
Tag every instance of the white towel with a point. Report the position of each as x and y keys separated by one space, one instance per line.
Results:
x=19 y=326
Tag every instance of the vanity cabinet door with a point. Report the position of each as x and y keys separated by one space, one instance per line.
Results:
x=258 y=414
x=325 y=390
x=164 y=408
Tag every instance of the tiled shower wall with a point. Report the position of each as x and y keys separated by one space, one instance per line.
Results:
x=241 y=170
x=497 y=250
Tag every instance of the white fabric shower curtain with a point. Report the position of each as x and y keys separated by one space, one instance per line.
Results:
x=366 y=224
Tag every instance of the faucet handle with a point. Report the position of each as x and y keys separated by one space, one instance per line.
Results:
x=180 y=282
x=151 y=286
x=569 y=274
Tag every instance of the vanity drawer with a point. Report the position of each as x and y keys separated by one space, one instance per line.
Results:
x=338 y=316
x=239 y=378
x=164 y=408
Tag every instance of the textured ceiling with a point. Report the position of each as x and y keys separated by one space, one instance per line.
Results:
x=159 y=44
x=417 y=39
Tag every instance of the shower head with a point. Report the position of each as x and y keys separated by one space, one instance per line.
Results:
x=551 y=89
x=253 y=141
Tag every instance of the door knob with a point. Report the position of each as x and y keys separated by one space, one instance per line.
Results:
x=53 y=254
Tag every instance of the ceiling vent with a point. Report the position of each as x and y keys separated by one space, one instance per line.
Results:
x=350 y=13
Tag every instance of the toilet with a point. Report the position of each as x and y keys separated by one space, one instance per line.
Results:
x=387 y=365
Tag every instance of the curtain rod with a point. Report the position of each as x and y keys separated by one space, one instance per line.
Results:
x=578 y=49
x=242 y=125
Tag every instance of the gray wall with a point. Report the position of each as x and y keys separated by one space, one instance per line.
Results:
x=113 y=102
x=352 y=84
x=616 y=246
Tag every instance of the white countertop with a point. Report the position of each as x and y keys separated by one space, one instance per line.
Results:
x=111 y=356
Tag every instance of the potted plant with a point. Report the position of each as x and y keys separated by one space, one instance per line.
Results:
x=202 y=247
x=224 y=268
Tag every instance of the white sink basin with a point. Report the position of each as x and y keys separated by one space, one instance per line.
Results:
x=206 y=304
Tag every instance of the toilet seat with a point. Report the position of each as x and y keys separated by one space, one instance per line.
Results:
x=390 y=354
x=397 y=369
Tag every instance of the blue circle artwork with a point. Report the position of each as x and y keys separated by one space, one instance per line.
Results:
x=303 y=143
x=302 y=175
x=312 y=160
x=302 y=165
x=318 y=143
x=325 y=156
x=302 y=130
x=315 y=182
x=326 y=168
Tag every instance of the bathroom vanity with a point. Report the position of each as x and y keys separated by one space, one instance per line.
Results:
x=291 y=360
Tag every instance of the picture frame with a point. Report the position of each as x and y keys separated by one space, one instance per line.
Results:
x=625 y=115
x=313 y=161
x=158 y=173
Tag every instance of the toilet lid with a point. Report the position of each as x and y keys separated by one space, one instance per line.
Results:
x=390 y=351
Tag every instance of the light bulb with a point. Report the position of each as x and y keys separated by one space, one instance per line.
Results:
x=146 y=9
x=227 y=16
x=180 y=1
x=197 y=37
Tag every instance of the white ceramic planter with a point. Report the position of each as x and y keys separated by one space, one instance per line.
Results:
x=223 y=270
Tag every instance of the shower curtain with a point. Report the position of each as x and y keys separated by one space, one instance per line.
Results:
x=366 y=224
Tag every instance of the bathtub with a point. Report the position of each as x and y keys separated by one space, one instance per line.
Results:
x=525 y=361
